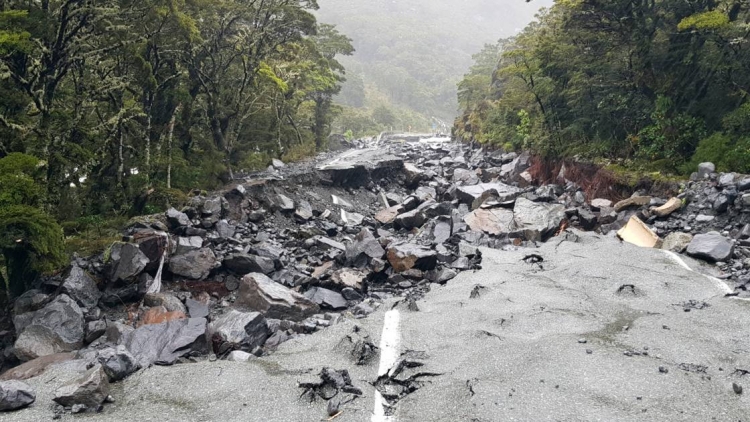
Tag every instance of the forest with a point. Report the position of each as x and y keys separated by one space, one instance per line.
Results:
x=116 y=108
x=411 y=54
x=655 y=85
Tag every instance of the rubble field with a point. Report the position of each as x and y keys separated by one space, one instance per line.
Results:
x=320 y=246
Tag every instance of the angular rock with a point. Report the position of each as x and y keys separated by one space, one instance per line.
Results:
x=170 y=302
x=90 y=390
x=154 y=245
x=349 y=277
x=705 y=170
x=327 y=243
x=15 y=395
x=337 y=200
x=280 y=202
x=163 y=344
x=242 y=264
x=238 y=330
x=599 y=203
x=94 y=330
x=326 y=298
x=277 y=164
x=537 y=221
x=224 y=229
x=351 y=218
x=239 y=356
x=211 y=207
x=58 y=327
x=425 y=193
x=405 y=256
x=31 y=300
x=159 y=315
x=442 y=230
x=364 y=244
x=304 y=211
x=259 y=293
x=388 y=215
x=411 y=219
x=637 y=233
x=726 y=179
x=195 y=265
x=177 y=219
x=744 y=184
x=671 y=206
x=188 y=244
x=117 y=362
x=126 y=261
x=588 y=219
x=196 y=309
x=711 y=246
x=469 y=194
x=465 y=177
x=635 y=201
x=413 y=175
x=81 y=288
x=493 y=221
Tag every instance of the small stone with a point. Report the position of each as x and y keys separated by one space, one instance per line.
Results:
x=663 y=370
x=582 y=340
x=737 y=388
x=589 y=351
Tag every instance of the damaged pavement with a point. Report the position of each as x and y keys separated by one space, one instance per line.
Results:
x=561 y=343
x=266 y=301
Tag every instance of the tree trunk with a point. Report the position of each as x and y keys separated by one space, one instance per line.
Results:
x=169 y=147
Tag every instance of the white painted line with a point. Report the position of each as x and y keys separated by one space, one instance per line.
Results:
x=389 y=344
x=719 y=283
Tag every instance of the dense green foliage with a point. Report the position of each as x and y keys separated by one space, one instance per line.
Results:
x=410 y=55
x=120 y=106
x=663 y=82
x=31 y=241
x=120 y=97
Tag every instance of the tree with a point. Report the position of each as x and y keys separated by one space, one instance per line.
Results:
x=31 y=242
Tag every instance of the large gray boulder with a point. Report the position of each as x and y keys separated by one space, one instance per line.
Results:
x=238 y=330
x=705 y=170
x=195 y=265
x=177 y=219
x=15 y=395
x=126 y=261
x=537 y=221
x=81 y=287
x=241 y=264
x=90 y=390
x=163 y=344
x=711 y=246
x=259 y=293
x=58 y=327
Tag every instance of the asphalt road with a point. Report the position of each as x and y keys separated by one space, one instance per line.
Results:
x=578 y=337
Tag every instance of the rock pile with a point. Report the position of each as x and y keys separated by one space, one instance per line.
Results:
x=234 y=274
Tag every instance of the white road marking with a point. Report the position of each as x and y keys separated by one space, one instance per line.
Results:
x=719 y=283
x=389 y=344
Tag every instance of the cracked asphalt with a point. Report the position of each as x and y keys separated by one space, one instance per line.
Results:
x=600 y=330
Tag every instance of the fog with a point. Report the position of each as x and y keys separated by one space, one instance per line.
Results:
x=412 y=53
